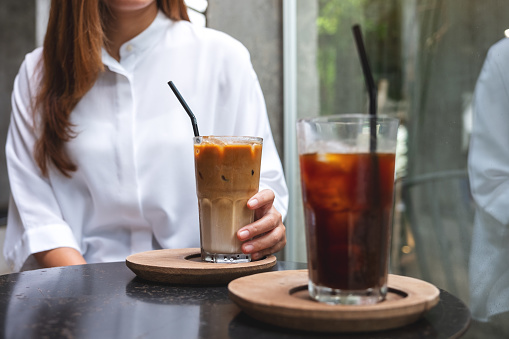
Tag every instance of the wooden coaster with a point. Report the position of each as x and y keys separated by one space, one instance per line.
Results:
x=281 y=298
x=184 y=266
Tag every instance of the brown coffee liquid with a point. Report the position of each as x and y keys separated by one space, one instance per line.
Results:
x=227 y=176
x=347 y=218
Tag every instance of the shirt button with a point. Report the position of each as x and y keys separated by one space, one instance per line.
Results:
x=129 y=48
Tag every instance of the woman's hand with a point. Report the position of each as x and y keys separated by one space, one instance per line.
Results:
x=267 y=232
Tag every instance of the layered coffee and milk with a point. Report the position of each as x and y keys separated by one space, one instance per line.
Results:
x=227 y=176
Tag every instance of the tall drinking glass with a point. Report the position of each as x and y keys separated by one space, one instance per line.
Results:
x=347 y=176
x=227 y=176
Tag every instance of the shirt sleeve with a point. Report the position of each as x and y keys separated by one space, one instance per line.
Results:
x=34 y=221
x=250 y=112
x=272 y=175
x=489 y=152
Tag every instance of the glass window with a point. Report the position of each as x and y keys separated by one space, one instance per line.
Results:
x=426 y=57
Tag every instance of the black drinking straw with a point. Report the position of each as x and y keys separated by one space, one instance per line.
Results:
x=184 y=104
x=370 y=84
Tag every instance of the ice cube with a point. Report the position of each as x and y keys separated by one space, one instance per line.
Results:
x=331 y=146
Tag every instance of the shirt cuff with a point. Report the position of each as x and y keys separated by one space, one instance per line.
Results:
x=40 y=239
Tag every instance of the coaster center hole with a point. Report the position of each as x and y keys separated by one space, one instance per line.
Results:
x=194 y=257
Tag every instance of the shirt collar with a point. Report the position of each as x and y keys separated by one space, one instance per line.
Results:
x=140 y=43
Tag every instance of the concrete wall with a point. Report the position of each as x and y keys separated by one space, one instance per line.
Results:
x=258 y=25
x=17 y=37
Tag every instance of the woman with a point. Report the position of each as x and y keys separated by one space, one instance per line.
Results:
x=100 y=152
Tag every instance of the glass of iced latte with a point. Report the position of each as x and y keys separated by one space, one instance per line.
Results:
x=227 y=176
x=347 y=176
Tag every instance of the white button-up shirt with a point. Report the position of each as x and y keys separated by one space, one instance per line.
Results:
x=134 y=189
x=489 y=181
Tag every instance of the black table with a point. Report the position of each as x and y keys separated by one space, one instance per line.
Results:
x=109 y=301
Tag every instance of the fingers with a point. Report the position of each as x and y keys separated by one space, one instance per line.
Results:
x=266 y=223
x=261 y=202
x=265 y=236
x=267 y=244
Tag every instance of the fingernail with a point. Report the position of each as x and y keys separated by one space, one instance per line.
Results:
x=248 y=248
x=253 y=202
x=255 y=256
x=244 y=234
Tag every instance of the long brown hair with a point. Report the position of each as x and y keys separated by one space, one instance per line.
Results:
x=71 y=63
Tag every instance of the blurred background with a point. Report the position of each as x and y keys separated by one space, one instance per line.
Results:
x=426 y=56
